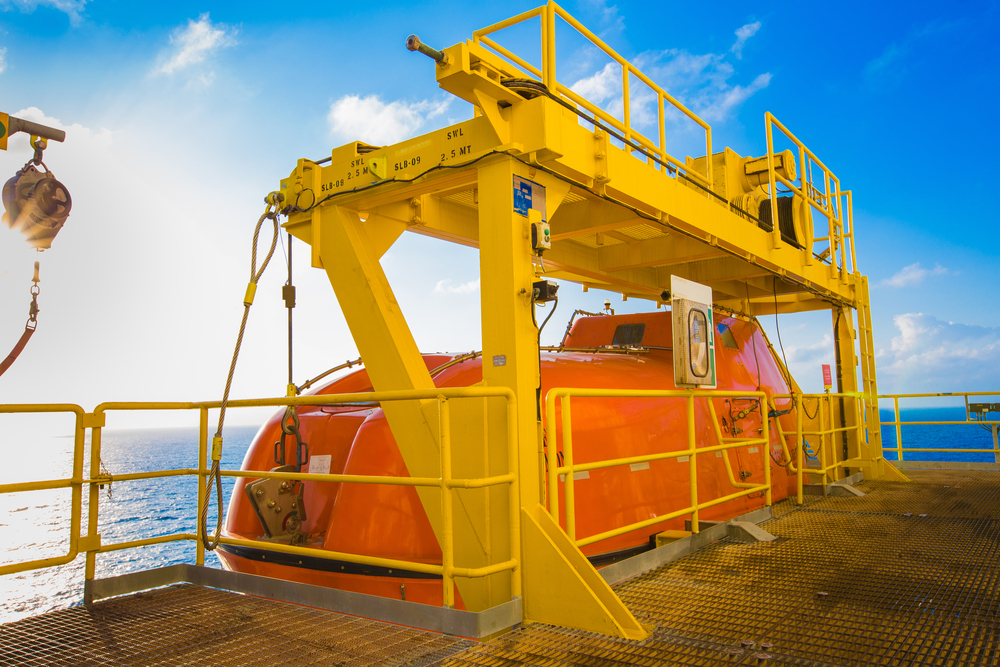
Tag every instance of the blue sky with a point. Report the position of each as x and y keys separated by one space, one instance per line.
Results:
x=181 y=116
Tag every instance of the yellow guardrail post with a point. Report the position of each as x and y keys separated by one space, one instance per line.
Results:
x=549 y=46
x=94 y=499
x=899 y=429
x=202 y=478
x=766 y=448
x=822 y=436
x=552 y=454
x=448 y=532
x=513 y=497
x=799 y=447
x=692 y=460
x=772 y=191
x=570 y=470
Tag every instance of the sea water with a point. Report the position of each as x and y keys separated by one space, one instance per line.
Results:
x=955 y=436
x=36 y=525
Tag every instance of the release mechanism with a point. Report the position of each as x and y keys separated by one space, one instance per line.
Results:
x=541 y=238
x=544 y=291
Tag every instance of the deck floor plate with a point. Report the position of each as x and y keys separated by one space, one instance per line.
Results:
x=849 y=581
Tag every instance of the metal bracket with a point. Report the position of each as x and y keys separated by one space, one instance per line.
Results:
x=93 y=420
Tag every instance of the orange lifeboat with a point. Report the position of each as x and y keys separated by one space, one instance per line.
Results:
x=389 y=521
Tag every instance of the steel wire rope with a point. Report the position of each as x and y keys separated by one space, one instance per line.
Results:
x=777 y=327
x=753 y=338
x=255 y=275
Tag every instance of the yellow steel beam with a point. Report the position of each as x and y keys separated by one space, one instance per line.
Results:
x=394 y=362
x=561 y=587
x=541 y=131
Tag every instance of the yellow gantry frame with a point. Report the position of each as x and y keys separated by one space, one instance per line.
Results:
x=625 y=215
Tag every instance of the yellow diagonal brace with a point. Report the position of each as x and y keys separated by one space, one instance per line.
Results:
x=393 y=362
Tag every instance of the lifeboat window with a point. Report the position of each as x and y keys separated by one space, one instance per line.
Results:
x=698 y=342
x=728 y=339
x=629 y=335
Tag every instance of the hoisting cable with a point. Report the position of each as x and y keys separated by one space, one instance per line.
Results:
x=29 y=326
x=538 y=390
x=777 y=327
x=753 y=337
x=288 y=294
x=290 y=420
x=270 y=213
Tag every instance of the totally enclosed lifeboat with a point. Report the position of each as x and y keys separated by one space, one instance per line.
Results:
x=631 y=352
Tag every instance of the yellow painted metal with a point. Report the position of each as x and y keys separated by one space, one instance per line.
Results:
x=624 y=217
x=75 y=484
x=202 y=479
x=4 y=130
x=898 y=423
x=447 y=485
x=568 y=587
x=569 y=468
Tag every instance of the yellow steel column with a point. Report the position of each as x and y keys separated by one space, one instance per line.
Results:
x=882 y=468
x=393 y=362
x=560 y=586
x=847 y=383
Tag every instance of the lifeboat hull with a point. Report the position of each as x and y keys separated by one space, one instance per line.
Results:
x=389 y=521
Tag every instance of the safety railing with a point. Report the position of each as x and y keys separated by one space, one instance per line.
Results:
x=826 y=449
x=446 y=483
x=547 y=13
x=898 y=423
x=74 y=483
x=570 y=468
x=829 y=202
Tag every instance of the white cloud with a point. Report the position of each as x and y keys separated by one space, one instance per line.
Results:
x=92 y=139
x=742 y=35
x=810 y=354
x=611 y=21
x=700 y=81
x=914 y=274
x=892 y=55
x=3 y=60
x=373 y=121
x=72 y=8
x=947 y=356
x=194 y=42
x=722 y=105
x=445 y=287
x=602 y=85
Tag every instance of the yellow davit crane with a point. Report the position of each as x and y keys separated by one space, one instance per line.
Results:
x=548 y=185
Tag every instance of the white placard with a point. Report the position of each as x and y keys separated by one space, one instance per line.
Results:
x=320 y=465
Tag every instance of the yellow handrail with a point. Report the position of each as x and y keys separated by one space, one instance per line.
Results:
x=821 y=200
x=898 y=423
x=446 y=483
x=569 y=468
x=547 y=14
x=825 y=411
x=75 y=484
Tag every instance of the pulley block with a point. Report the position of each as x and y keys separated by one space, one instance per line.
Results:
x=36 y=204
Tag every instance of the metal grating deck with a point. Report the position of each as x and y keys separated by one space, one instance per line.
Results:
x=191 y=625
x=850 y=581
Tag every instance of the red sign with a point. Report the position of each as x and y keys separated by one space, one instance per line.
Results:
x=827 y=378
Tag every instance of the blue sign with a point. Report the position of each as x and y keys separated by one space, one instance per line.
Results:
x=522 y=196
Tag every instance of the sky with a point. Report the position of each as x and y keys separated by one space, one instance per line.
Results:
x=181 y=116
